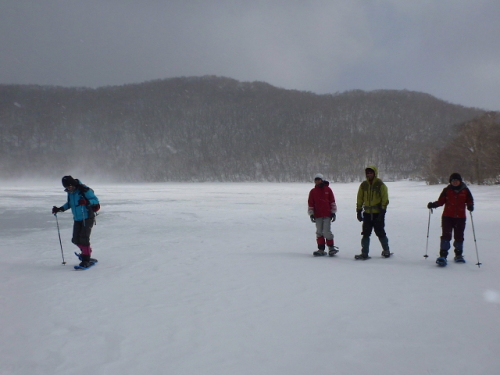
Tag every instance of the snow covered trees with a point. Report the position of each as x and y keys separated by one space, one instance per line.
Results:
x=474 y=152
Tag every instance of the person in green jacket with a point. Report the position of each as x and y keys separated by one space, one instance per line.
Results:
x=373 y=198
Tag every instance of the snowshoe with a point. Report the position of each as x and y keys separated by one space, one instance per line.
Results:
x=362 y=257
x=85 y=265
x=441 y=261
x=332 y=250
x=459 y=259
x=319 y=253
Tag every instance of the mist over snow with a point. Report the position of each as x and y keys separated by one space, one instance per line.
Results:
x=219 y=278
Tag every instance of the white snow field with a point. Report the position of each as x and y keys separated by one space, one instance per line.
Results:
x=219 y=278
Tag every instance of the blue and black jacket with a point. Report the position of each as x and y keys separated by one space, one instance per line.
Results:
x=81 y=212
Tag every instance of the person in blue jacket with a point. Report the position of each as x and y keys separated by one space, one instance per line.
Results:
x=80 y=200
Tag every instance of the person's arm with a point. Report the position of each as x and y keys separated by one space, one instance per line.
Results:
x=470 y=201
x=384 y=197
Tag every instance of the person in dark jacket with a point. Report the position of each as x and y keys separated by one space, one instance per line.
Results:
x=455 y=198
x=322 y=211
x=80 y=200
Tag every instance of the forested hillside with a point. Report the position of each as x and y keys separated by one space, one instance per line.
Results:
x=219 y=129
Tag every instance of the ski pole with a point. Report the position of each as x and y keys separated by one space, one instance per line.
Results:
x=428 y=226
x=60 y=242
x=475 y=242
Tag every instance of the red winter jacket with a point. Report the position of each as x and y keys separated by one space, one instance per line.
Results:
x=321 y=201
x=455 y=201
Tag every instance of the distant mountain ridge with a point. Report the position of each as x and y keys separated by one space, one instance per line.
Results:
x=220 y=129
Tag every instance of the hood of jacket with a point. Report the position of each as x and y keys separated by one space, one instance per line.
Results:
x=457 y=188
x=323 y=184
x=375 y=169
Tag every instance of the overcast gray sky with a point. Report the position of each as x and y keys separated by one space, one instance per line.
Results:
x=447 y=48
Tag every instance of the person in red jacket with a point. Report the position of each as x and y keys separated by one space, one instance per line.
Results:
x=322 y=211
x=455 y=198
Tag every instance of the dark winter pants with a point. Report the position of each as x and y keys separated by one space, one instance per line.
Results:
x=457 y=226
x=81 y=232
x=373 y=222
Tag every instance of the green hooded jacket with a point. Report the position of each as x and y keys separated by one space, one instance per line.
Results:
x=372 y=197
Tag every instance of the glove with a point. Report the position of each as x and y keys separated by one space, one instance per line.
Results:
x=313 y=219
x=470 y=207
x=431 y=205
x=334 y=217
x=359 y=215
x=55 y=209
x=83 y=202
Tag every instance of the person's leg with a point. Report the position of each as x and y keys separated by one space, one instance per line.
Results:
x=379 y=227
x=81 y=238
x=447 y=228
x=327 y=232
x=366 y=233
x=458 y=234
x=320 y=239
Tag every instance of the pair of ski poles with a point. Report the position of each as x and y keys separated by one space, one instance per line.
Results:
x=473 y=233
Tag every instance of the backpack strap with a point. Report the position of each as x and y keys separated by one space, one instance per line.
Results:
x=82 y=189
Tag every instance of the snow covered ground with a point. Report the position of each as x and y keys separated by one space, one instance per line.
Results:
x=219 y=278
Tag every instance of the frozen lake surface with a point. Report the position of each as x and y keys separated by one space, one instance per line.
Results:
x=219 y=278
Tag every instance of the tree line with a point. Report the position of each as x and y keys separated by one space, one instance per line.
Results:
x=219 y=129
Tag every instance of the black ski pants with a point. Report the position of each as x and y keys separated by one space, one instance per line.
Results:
x=81 y=232
x=452 y=226
x=373 y=222
x=455 y=225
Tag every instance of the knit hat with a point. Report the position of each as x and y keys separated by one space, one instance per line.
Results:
x=319 y=176
x=69 y=181
x=455 y=176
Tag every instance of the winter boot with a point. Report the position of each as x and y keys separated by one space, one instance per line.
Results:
x=85 y=263
x=92 y=260
x=459 y=250
x=444 y=248
x=362 y=256
x=321 y=251
x=386 y=253
x=365 y=244
x=458 y=247
x=384 y=241
x=441 y=261
x=332 y=250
